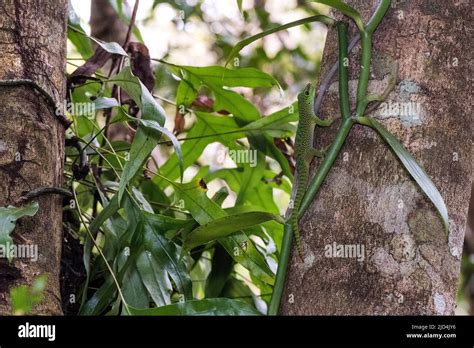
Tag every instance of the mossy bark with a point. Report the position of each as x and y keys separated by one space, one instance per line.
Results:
x=32 y=46
x=409 y=265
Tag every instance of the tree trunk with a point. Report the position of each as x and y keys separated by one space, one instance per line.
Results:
x=32 y=46
x=409 y=266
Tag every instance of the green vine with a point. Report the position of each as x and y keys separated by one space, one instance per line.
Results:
x=348 y=121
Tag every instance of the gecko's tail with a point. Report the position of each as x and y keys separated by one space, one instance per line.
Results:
x=294 y=221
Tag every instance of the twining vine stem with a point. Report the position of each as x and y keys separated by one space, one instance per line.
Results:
x=347 y=122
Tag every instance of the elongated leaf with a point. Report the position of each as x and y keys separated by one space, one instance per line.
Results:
x=238 y=245
x=276 y=124
x=142 y=144
x=228 y=100
x=415 y=170
x=105 y=103
x=208 y=128
x=133 y=290
x=155 y=279
x=197 y=203
x=186 y=93
x=155 y=128
x=243 y=77
x=213 y=306
x=163 y=223
x=346 y=10
x=8 y=217
x=251 y=177
x=239 y=5
x=164 y=256
x=111 y=47
x=221 y=269
x=227 y=225
x=241 y=44
x=109 y=210
x=80 y=41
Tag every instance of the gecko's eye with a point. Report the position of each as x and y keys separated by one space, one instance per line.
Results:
x=306 y=93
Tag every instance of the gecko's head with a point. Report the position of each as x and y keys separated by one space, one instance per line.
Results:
x=308 y=93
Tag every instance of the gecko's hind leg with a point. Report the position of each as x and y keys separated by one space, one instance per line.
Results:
x=314 y=153
x=323 y=123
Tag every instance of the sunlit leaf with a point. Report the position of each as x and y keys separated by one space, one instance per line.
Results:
x=156 y=130
x=238 y=245
x=81 y=42
x=8 y=217
x=214 y=306
x=105 y=103
x=24 y=298
x=207 y=129
x=227 y=225
x=143 y=143
x=243 y=77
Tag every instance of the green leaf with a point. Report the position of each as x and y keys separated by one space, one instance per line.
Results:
x=109 y=210
x=155 y=279
x=142 y=144
x=185 y=93
x=197 y=203
x=8 y=217
x=164 y=256
x=207 y=129
x=213 y=306
x=133 y=289
x=242 y=109
x=231 y=176
x=155 y=128
x=239 y=5
x=226 y=226
x=81 y=42
x=238 y=245
x=111 y=47
x=346 y=10
x=251 y=177
x=415 y=170
x=214 y=77
x=242 y=77
x=24 y=298
x=241 y=44
x=221 y=269
x=105 y=103
x=277 y=124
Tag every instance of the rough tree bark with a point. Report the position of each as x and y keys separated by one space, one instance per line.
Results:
x=370 y=200
x=32 y=46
